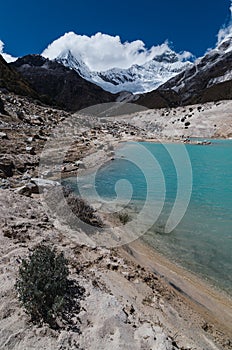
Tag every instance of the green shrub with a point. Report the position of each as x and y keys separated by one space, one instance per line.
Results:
x=42 y=284
x=81 y=208
x=124 y=217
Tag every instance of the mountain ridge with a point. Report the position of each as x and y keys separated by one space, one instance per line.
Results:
x=209 y=79
x=61 y=84
x=12 y=81
x=68 y=83
x=136 y=79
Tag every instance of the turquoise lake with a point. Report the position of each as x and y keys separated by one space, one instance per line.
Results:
x=202 y=241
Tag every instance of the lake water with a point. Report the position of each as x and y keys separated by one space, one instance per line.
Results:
x=202 y=241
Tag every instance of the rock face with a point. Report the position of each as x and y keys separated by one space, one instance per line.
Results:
x=62 y=85
x=12 y=81
x=159 y=99
x=209 y=79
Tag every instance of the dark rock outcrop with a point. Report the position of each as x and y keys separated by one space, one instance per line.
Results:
x=2 y=107
x=62 y=85
x=159 y=99
x=11 y=80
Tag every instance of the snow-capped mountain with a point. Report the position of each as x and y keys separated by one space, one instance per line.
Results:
x=224 y=60
x=208 y=79
x=226 y=44
x=136 y=79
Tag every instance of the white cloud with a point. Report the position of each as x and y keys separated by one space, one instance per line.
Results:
x=8 y=58
x=185 y=55
x=225 y=31
x=101 y=52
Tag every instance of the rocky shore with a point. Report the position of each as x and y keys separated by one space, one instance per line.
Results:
x=134 y=298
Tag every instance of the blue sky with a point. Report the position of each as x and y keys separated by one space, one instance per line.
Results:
x=29 y=26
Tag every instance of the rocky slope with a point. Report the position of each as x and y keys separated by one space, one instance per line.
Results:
x=209 y=79
x=24 y=129
x=12 y=81
x=62 y=85
x=208 y=120
x=125 y=303
x=122 y=304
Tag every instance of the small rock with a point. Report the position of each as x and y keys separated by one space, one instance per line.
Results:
x=4 y=183
x=110 y=148
x=3 y=136
x=30 y=150
x=47 y=173
x=26 y=176
x=111 y=154
x=30 y=139
x=80 y=164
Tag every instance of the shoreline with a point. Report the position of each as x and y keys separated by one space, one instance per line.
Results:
x=93 y=159
x=211 y=302
x=216 y=288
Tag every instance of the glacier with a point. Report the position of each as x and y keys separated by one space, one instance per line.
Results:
x=136 y=79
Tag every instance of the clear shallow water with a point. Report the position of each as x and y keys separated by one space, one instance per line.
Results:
x=202 y=241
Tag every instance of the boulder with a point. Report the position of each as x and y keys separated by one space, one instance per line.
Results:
x=7 y=167
x=43 y=185
x=27 y=189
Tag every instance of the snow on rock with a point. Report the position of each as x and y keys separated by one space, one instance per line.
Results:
x=136 y=79
x=138 y=75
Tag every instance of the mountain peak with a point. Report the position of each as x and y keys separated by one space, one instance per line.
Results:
x=138 y=78
x=226 y=44
x=14 y=82
x=74 y=62
x=116 y=66
x=32 y=60
x=167 y=57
